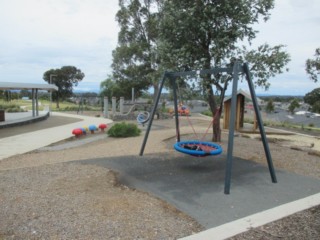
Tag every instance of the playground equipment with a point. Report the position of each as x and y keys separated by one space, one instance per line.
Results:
x=198 y=148
x=183 y=110
x=143 y=117
x=77 y=132
x=92 y=128
x=234 y=71
x=103 y=126
x=84 y=131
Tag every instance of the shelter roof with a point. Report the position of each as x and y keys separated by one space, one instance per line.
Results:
x=18 y=86
x=241 y=92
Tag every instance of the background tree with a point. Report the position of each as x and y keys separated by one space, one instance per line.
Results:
x=313 y=66
x=65 y=78
x=26 y=93
x=135 y=64
x=7 y=95
x=110 y=88
x=270 y=106
x=313 y=99
x=293 y=105
x=206 y=34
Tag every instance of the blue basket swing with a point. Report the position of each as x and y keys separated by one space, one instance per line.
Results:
x=198 y=148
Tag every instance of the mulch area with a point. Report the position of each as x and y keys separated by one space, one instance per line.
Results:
x=302 y=225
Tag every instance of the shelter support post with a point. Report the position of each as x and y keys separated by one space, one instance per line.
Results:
x=260 y=123
x=232 y=122
x=106 y=107
x=33 y=103
x=37 y=103
x=114 y=105
x=154 y=109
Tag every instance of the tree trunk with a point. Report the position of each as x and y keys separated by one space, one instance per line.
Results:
x=216 y=137
x=216 y=114
x=156 y=90
x=58 y=101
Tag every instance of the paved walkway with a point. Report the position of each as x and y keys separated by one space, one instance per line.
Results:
x=27 y=142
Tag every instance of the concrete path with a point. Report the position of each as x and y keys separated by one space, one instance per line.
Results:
x=27 y=142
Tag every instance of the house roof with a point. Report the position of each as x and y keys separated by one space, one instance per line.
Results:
x=240 y=91
x=18 y=86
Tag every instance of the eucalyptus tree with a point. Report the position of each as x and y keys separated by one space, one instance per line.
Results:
x=313 y=66
x=135 y=63
x=64 y=78
x=198 y=34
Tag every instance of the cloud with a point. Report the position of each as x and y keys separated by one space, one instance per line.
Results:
x=293 y=23
x=40 y=35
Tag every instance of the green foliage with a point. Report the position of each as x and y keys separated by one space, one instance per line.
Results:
x=206 y=34
x=15 y=109
x=76 y=108
x=265 y=62
x=207 y=113
x=110 y=88
x=313 y=99
x=135 y=64
x=293 y=105
x=124 y=129
x=282 y=99
x=182 y=35
x=11 y=107
x=64 y=78
x=311 y=124
x=270 y=106
x=313 y=66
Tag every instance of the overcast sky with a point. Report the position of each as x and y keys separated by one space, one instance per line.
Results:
x=38 y=35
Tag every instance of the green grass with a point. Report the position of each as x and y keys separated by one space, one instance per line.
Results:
x=64 y=106
x=287 y=125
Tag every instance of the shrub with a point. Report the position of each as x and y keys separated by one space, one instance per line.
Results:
x=207 y=113
x=124 y=130
x=14 y=110
x=7 y=106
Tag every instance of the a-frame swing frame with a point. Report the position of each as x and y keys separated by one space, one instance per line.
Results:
x=235 y=71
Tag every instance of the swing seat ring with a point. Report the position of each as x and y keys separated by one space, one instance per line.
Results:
x=198 y=148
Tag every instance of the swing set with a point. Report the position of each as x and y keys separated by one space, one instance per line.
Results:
x=201 y=147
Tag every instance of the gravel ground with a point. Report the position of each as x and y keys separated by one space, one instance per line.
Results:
x=46 y=196
x=73 y=201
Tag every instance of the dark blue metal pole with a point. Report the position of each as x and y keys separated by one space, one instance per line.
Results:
x=152 y=114
x=175 y=100
x=232 y=122
x=260 y=123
